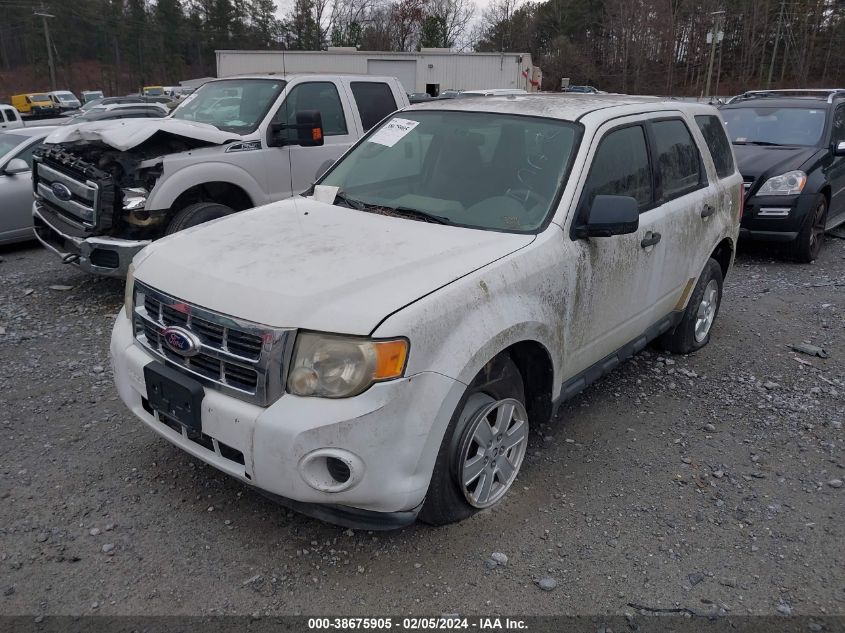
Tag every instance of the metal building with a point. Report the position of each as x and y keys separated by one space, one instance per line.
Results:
x=432 y=70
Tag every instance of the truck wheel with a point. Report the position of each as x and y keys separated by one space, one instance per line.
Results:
x=483 y=447
x=197 y=213
x=807 y=245
x=693 y=332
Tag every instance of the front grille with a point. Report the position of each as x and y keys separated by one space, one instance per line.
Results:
x=241 y=358
x=88 y=190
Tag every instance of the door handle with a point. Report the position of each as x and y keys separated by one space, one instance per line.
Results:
x=707 y=211
x=650 y=239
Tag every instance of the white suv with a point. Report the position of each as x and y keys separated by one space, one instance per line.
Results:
x=375 y=349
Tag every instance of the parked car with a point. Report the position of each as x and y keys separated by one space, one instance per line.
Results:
x=137 y=180
x=160 y=108
x=492 y=92
x=90 y=95
x=10 y=118
x=35 y=104
x=153 y=91
x=449 y=94
x=16 y=149
x=64 y=100
x=581 y=89
x=376 y=349
x=106 y=101
x=790 y=146
x=150 y=111
x=419 y=97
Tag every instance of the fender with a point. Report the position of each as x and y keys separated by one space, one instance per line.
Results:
x=173 y=184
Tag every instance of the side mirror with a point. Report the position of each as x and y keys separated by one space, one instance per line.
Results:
x=839 y=148
x=16 y=166
x=610 y=215
x=308 y=127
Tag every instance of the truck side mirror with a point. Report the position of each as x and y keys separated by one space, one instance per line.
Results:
x=610 y=215
x=308 y=127
x=16 y=166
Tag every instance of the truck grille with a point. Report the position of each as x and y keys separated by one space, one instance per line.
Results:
x=72 y=188
x=242 y=359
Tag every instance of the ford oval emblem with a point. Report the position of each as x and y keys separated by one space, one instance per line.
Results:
x=181 y=341
x=61 y=191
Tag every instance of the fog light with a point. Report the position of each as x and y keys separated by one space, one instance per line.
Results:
x=331 y=469
x=339 y=470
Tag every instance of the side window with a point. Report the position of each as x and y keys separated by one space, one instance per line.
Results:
x=714 y=135
x=5 y=115
x=315 y=95
x=839 y=125
x=374 y=100
x=677 y=158
x=621 y=168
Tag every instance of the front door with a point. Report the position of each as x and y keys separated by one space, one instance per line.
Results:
x=836 y=171
x=612 y=292
x=292 y=168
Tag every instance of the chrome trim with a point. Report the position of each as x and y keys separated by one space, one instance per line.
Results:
x=45 y=175
x=774 y=212
x=270 y=366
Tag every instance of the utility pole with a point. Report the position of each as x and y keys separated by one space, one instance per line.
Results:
x=713 y=36
x=777 y=41
x=44 y=17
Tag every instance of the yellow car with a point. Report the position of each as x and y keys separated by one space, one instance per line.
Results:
x=34 y=104
x=153 y=91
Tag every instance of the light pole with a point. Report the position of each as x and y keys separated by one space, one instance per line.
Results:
x=44 y=17
x=714 y=35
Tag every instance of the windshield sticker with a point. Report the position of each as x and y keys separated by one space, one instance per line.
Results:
x=393 y=132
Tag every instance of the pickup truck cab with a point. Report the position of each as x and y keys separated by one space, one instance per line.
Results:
x=105 y=190
x=377 y=348
x=10 y=118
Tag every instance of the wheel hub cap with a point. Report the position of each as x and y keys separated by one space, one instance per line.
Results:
x=706 y=310
x=492 y=451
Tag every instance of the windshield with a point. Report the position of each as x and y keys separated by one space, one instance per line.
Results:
x=774 y=126
x=65 y=96
x=8 y=142
x=232 y=105
x=481 y=170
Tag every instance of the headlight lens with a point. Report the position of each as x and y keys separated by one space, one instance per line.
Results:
x=330 y=366
x=790 y=183
x=129 y=291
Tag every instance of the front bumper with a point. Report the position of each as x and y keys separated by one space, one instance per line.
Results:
x=393 y=429
x=108 y=256
x=775 y=218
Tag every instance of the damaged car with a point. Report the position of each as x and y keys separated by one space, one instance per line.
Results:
x=104 y=190
x=375 y=350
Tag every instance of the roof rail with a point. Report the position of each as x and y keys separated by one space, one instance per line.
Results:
x=830 y=93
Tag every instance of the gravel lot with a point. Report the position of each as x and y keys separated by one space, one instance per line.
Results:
x=712 y=481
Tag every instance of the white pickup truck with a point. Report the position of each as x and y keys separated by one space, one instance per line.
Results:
x=105 y=190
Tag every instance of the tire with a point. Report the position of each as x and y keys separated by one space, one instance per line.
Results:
x=805 y=248
x=195 y=214
x=496 y=390
x=693 y=332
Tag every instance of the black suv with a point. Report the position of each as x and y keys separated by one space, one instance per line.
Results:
x=790 y=147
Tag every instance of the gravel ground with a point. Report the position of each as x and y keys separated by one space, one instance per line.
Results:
x=712 y=481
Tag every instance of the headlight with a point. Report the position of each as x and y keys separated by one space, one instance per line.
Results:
x=134 y=198
x=787 y=184
x=332 y=366
x=129 y=291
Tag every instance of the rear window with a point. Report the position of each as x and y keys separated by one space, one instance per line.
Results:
x=677 y=158
x=717 y=142
x=374 y=100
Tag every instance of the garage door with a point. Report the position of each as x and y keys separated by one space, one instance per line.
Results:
x=404 y=70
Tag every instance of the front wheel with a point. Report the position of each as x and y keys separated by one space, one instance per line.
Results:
x=693 y=332
x=197 y=213
x=808 y=244
x=483 y=448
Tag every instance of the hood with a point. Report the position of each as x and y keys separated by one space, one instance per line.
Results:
x=124 y=134
x=304 y=264
x=755 y=161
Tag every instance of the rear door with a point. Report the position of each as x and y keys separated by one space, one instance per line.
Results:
x=612 y=299
x=687 y=202
x=836 y=171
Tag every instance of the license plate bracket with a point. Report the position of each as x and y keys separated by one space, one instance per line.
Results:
x=175 y=395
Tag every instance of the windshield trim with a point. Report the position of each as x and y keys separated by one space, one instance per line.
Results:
x=577 y=127
x=260 y=119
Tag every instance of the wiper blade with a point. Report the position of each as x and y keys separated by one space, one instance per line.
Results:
x=349 y=202
x=755 y=143
x=420 y=215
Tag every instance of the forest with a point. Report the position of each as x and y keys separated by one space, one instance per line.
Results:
x=635 y=46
